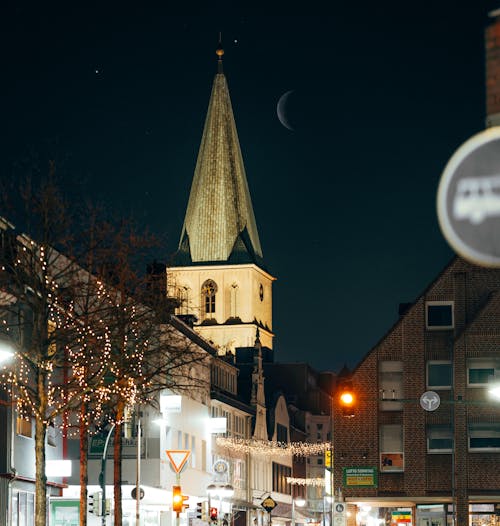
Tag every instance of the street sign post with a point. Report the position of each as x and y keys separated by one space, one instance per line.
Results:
x=178 y=458
x=339 y=514
x=268 y=504
x=468 y=199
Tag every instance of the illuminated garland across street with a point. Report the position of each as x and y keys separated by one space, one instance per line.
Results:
x=305 y=482
x=264 y=447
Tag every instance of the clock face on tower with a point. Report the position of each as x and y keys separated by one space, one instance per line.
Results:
x=261 y=292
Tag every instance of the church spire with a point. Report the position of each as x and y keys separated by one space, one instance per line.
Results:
x=219 y=225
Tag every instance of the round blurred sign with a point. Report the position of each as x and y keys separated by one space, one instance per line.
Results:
x=468 y=199
x=133 y=493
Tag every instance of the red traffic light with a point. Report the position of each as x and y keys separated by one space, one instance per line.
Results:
x=213 y=514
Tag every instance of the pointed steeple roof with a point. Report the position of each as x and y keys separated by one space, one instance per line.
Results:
x=220 y=224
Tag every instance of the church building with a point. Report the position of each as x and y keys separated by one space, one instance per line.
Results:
x=219 y=276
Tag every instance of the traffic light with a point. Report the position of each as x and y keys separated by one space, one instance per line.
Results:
x=347 y=399
x=213 y=514
x=199 y=510
x=95 y=503
x=177 y=500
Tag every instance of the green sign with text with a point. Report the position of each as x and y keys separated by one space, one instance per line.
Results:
x=361 y=477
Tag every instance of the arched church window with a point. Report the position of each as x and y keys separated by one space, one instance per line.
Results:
x=208 y=293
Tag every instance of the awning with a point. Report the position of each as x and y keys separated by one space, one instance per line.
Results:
x=239 y=504
x=284 y=511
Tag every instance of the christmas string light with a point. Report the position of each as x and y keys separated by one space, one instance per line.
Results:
x=306 y=482
x=272 y=448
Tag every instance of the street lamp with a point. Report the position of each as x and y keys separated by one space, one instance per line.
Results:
x=6 y=349
x=222 y=491
x=296 y=502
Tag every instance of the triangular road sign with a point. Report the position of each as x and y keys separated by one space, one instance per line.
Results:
x=178 y=458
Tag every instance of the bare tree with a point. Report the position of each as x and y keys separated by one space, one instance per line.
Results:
x=93 y=333
x=45 y=319
x=148 y=354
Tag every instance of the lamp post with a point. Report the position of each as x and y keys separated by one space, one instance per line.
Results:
x=102 y=475
x=296 y=502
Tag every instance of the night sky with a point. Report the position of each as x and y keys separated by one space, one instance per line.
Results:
x=344 y=203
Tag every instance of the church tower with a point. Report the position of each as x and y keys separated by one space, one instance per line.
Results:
x=219 y=276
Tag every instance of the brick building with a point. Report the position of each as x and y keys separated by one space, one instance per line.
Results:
x=418 y=462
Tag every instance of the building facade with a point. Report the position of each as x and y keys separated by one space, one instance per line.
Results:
x=424 y=442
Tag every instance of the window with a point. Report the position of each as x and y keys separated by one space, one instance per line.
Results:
x=280 y=474
x=23 y=508
x=390 y=374
x=391 y=448
x=51 y=434
x=204 y=455
x=239 y=474
x=193 y=452
x=239 y=426
x=439 y=375
x=183 y=295
x=439 y=315
x=24 y=427
x=439 y=439
x=234 y=300
x=281 y=433
x=484 y=437
x=208 y=292
x=480 y=371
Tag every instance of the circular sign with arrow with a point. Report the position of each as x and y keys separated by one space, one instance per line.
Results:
x=430 y=401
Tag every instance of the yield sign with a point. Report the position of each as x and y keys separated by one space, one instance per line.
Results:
x=178 y=458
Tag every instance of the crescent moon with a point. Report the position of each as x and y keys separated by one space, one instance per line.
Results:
x=281 y=110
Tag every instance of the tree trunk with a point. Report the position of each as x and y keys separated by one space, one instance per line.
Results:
x=41 y=478
x=84 y=439
x=117 y=463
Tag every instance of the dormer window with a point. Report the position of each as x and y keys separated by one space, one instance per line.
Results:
x=208 y=293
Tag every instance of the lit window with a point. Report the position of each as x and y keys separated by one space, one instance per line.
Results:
x=484 y=437
x=391 y=448
x=481 y=371
x=439 y=315
x=208 y=292
x=24 y=427
x=439 y=375
x=439 y=439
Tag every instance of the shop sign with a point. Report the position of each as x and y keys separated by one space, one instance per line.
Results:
x=129 y=447
x=401 y=517
x=64 y=512
x=360 y=477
